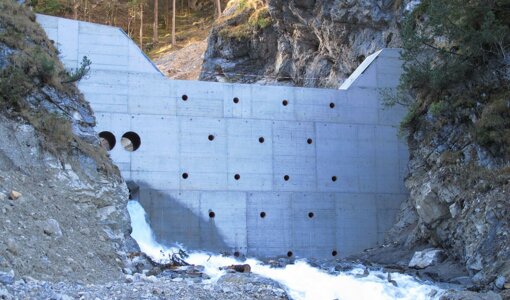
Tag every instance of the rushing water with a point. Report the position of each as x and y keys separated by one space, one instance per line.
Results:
x=301 y=280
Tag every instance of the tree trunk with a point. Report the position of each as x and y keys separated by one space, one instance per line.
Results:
x=155 y=37
x=167 y=13
x=173 y=22
x=76 y=5
x=218 y=9
x=141 y=25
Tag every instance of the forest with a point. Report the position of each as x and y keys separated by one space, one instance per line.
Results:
x=148 y=22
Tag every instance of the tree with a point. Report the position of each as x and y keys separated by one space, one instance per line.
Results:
x=218 y=9
x=445 y=43
x=155 y=24
x=141 y=24
x=75 y=6
x=173 y=22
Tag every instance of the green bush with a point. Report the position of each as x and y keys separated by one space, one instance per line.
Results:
x=493 y=128
x=450 y=47
x=447 y=42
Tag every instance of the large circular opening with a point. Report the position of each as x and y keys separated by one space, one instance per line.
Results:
x=286 y=177
x=263 y=214
x=309 y=141
x=311 y=215
x=212 y=214
x=261 y=140
x=334 y=253
x=184 y=97
x=332 y=105
x=334 y=178
x=289 y=254
x=236 y=100
x=107 y=140
x=211 y=137
x=185 y=175
x=237 y=177
x=131 y=141
x=237 y=254
x=285 y=102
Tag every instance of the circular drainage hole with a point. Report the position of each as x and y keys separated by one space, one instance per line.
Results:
x=107 y=140
x=131 y=141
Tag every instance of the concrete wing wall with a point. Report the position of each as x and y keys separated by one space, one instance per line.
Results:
x=109 y=48
x=259 y=170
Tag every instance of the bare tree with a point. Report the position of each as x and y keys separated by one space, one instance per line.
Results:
x=173 y=22
x=155 y=24
x=218 y=8
x=75 y=6
x=141 y=25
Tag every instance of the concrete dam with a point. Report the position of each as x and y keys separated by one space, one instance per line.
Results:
x=253 y=170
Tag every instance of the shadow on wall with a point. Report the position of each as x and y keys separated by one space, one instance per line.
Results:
x=178 y=221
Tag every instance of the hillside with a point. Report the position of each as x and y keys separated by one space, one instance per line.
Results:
x=69 y=219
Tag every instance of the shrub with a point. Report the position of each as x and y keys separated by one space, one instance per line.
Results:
x=446 y=42
x=81 y=72
x=450 y=47
x=260 y=19
x=493 y=128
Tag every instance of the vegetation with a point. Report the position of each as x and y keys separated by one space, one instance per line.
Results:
x=31 y=66
x=456 y=55
x=149 y=22
x=249 y=16
x=81 y=72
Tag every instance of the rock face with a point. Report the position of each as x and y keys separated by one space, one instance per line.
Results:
x=315 y=43
x=50 y=162
x=459 y=198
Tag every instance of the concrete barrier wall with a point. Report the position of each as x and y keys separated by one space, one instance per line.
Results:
x=258 y=170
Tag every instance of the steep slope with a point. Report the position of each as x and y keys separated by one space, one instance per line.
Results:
x=303 y=43
x=70 y=218
x=456 y=82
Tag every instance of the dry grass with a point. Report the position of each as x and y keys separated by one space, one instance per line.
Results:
x=34 y=64
x=249 y=16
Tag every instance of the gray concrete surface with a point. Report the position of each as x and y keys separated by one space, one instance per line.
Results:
x=353 y=139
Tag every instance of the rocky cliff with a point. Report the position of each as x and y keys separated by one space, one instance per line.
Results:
x=62 y=201
x=315 y=43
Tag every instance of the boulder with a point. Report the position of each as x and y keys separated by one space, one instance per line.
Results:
x=500 y=282
x=52 y=228
x=14 y=195
x=426 y=258
x=246 y=268
x=7 y=277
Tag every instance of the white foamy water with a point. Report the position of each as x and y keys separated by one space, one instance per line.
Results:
x=302 y=281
